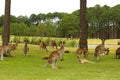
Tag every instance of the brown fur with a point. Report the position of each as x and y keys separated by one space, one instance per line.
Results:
x=42 y=45
x=118 y=53
x=13 y=47
x=83 y=51
x=25 y=49
x=4 y=50
x=66 y=51
x=53 y=44
x=54 y=56
x=61 y=43
x=101 y=50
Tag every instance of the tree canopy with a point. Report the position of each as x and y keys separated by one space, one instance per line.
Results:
x=103 y=22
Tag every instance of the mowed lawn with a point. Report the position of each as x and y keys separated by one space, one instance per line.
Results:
x=32 y=67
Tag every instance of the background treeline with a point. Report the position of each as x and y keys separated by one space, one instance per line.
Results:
x=102 y=21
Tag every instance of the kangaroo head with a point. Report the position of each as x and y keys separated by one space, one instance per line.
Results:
x=103 y=41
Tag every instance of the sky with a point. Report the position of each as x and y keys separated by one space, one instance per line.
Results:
x=28 y=7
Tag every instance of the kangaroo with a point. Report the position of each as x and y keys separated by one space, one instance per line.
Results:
x=53 y=44
x=25 y=49
x=54 y=56
x=101 y=50
x=83 y=51
x=42 y=45
x=4 y=50
x=118 y=53
x=61 y=43
x=13 y=47
x=84 y=61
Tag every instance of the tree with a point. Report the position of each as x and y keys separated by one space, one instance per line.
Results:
x=33 y=18
x=1 y=20
x=69 y=25
x=6 y=24
x=83 y=25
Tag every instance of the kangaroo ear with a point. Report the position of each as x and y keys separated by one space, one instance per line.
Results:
x=103 y=39
x=63 y=42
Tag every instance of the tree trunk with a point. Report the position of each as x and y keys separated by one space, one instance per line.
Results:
x=83 y=25
x=6 y=24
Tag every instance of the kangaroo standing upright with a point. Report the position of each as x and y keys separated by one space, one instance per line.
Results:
x=42 y=45
x=53 y=44
x=101 y=50
x=25 y=49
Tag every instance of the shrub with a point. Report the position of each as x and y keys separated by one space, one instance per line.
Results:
x=34 y=41
x=118 y=42
x=58 y=41
x=47 y=41
x=16 y=39
x=72 y=43
x=26 y=39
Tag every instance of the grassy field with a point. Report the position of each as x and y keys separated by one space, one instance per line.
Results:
x=32 y=67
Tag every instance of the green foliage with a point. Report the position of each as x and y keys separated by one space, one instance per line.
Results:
x=0 y=30
x=118 y=42
x=34 y=40
x=47 y=40
x=72 y=43
x=102 y=21
x=26 y=39
x=17 y=39
x=69 y=25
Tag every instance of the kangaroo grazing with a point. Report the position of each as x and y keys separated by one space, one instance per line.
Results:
x=100 y=50
x=54 y=56
x=53 y=44
x=118 y=53
x=25 y=49
x=42 y=45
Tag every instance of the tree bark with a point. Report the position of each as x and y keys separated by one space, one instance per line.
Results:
x=6 y=24
x=83 y=25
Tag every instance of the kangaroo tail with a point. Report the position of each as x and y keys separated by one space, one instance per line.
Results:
x=89 y=61
x=66 y=51
x=85 y=61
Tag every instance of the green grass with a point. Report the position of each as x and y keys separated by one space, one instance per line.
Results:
x=32 y=67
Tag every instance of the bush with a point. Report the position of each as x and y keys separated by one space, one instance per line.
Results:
x=47 y=41
x=72 y=43
x=118 y=42
x=34 y=41
x=16 y=39
x=26 y=39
